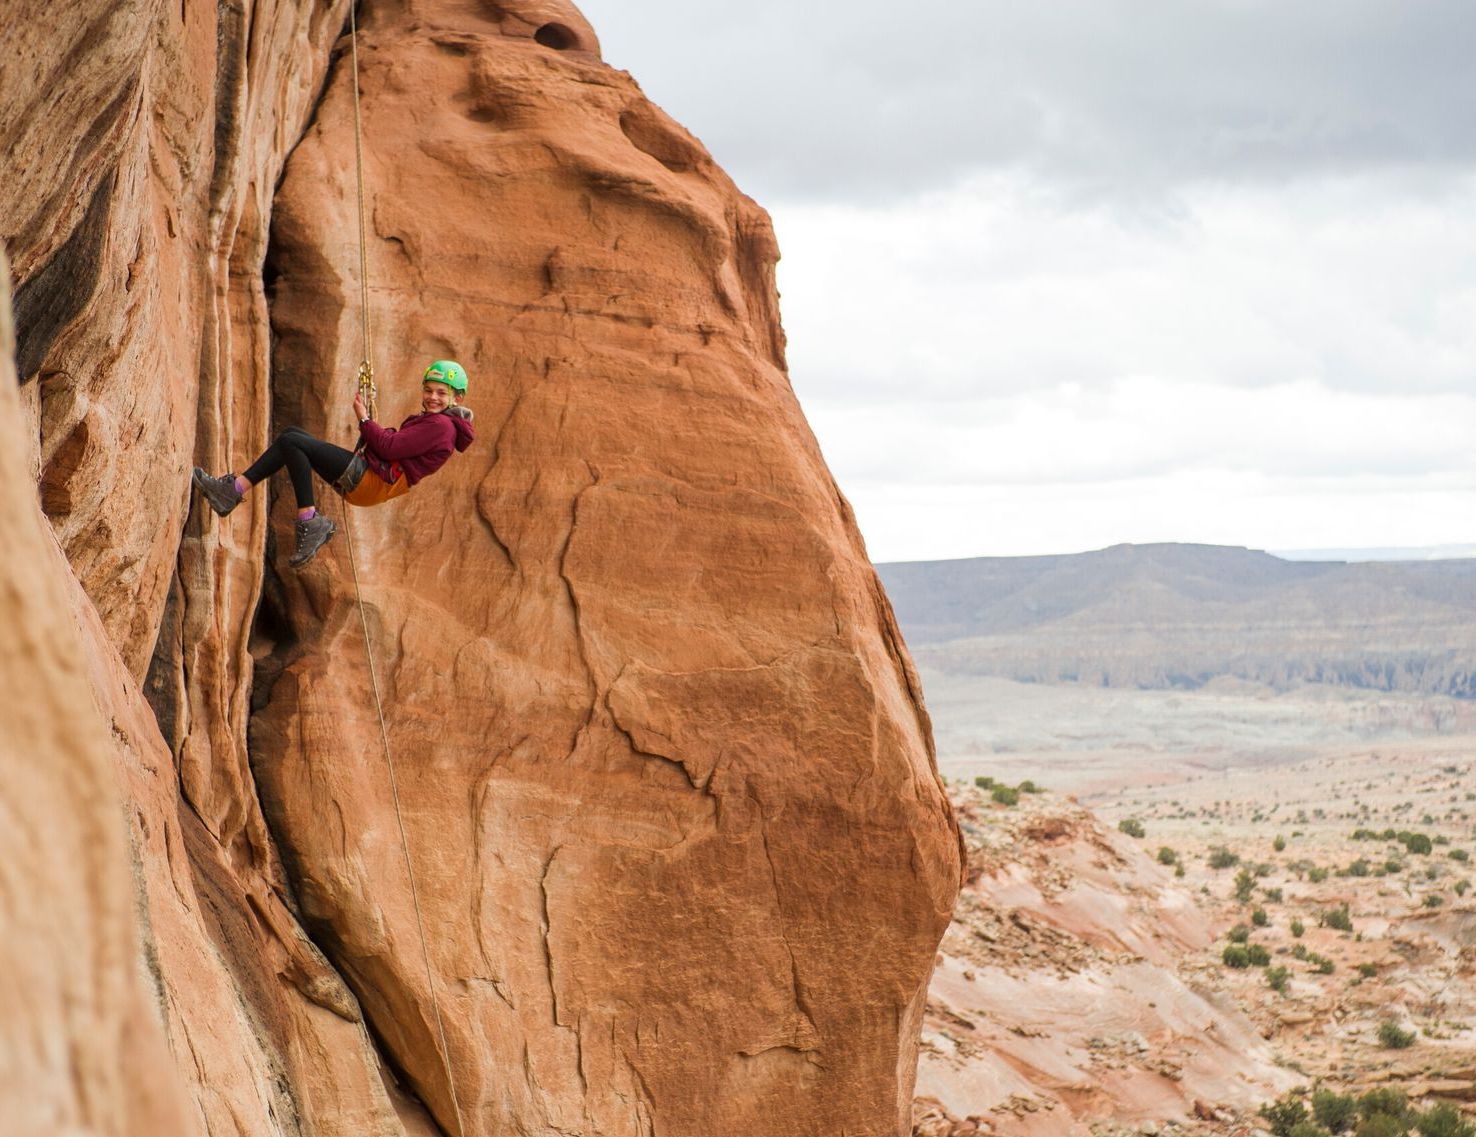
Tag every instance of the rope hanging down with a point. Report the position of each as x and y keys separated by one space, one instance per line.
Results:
x=366 y=365
x=366 y=386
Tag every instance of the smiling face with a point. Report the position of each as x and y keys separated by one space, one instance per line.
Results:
x=435 y=397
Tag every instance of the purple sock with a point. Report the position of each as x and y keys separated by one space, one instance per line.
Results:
x=242 y=485
x=307 y=514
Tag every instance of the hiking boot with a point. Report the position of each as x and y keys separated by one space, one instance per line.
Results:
x=312 y=535
x=220 y=492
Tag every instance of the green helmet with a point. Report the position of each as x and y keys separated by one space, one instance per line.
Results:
x=446 y=371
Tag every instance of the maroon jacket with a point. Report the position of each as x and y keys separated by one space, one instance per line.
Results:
x=421 y=446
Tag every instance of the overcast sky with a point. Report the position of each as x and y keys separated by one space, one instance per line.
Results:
x=1064 y=274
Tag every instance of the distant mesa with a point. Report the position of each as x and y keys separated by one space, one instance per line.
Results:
x=1176 y=616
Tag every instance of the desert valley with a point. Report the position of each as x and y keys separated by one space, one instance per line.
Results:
x=1191 y=897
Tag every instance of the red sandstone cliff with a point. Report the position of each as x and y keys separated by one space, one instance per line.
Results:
x=667 y=779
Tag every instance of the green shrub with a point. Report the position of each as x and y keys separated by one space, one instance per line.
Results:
x=1006 y=795
x=1132 y=827
x=1297 y=928
x=1284 y=1115
x=1238 y=934
x=1360 y=867
x=1391 y=1037
x=1272 y=895
x=1179 y=868
x=1029 y=787
x=1460 y=887
x=1235 y=956
x=1387 y=1100
x=1299 y=951
x=1433 y=901
x=1279 y=844
x=984 y=783
x=1245 y=885
x=1337 y=918
x=1307 y=1129
x=1368 y=970
x=1167 y=856
x=1393 y=866
x=1317 y=874
x=1336 y=1112
x=1416 y=842
x=1277 y=978
x=1444 y=1120
x=1321 y=965
x=1460 y=855
x=1258 y=954
x=1259 y=917
x=1222 y=858
x=1382 y=1125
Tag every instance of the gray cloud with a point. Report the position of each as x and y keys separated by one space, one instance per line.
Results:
x=1068 y=273
x=805 y=99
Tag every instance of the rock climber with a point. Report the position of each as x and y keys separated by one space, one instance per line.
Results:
x=385 y=465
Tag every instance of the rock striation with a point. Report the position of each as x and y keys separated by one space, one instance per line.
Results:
x=681 y=853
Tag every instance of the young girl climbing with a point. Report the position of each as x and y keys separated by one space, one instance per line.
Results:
x=386 y=464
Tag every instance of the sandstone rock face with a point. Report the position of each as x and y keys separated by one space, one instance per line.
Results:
x=682 y=855
x=150 y=138
x=147 y=139
x=651 y=699
x=76 y=1013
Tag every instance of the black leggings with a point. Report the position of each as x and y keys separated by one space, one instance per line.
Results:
x=303 y=455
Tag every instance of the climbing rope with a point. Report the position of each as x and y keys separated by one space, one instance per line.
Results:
x=366 y=387
x=366 y=365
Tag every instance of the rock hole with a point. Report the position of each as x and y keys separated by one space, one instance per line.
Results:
x=271 y=272
x=57 y=498
x=453 y=45
x=557 y=37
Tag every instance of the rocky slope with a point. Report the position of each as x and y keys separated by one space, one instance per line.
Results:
x=1061 y=1003
x=1179 y=616
x=682 y=853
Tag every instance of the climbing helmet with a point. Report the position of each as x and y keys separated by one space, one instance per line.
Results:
x=446 y=371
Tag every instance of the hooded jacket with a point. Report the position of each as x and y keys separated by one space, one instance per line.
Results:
x=421 y=446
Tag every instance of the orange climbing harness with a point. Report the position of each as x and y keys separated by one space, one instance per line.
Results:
x=360 y=485
x=374 y=490
x=367 y=389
